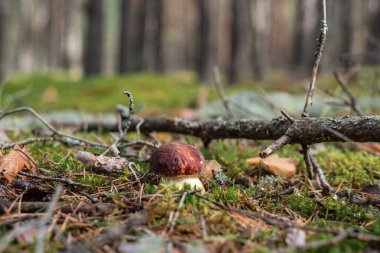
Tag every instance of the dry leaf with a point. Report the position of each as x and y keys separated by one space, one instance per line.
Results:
x=211 y=165
x=370 y=147
x=15 y=161
x=252 y=224
x=108 y=164
x=276 y=165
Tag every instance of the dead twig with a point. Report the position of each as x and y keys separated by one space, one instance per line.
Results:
x=287 y=191
x=42 y=229
x=318 y=56
x=73 y=140
x=55 y=179
x=176 y=214
x=342 y=83
x=220 y=92
x=27 y=141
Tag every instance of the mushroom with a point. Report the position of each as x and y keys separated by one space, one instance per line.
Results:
x=178 y=163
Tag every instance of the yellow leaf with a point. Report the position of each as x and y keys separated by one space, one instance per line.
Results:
x=276 y=165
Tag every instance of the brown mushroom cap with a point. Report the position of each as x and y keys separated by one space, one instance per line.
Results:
x=176 y=159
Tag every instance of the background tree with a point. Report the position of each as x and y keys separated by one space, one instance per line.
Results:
x=93 y=44
x=237 y=40
x=305 y=33
x=2 y=33
x=124 y=36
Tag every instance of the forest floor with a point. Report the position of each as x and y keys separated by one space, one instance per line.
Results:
x=244 y=208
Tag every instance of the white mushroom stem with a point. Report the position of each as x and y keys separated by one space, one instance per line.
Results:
x=180 y=181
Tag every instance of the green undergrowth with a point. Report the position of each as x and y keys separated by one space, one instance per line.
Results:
x=153 y=93
x=344 y=169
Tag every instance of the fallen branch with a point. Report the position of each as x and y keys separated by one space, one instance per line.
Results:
x=303 y=130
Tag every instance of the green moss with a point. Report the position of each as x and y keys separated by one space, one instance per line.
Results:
x=352 y=168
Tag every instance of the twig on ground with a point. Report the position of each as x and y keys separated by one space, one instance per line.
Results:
x=73 y=140
x=306 y=157
x=203 y=226
x=131 y=166
x=55 y=179
x=320 y=175
x=44 y=219
x=287 y=191
x=26 y=141
x=176 y=214
x=354 y=198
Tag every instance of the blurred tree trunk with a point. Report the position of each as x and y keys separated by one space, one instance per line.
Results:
x=260 y=15
x=136 y=36
x=279 y=37
x=373 y=37
x=237 y=40
x=93 y=43
x=305 y=34
x=340 y=32
x=2 y=33
x=206 y=41
x=124 y=36
x=152 y=51
x=58 y=23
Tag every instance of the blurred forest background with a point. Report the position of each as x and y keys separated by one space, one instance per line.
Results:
x=247 y=39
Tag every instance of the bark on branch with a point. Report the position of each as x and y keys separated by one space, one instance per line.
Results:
x=303 y=130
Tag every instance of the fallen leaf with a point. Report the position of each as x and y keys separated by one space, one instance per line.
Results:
x=370 y=147
x=210 y=166
x=276 y=165
x=254 y=225
x=15 y=161
x=105 y=163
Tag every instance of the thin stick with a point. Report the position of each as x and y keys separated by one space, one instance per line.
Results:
x=55 y=179
x=276 y=145
x=320 y=175
x=44 y=219
x=65 y=137
x=26 y=141
x=130 y=167
x=176 y=214
x=342 y=83
x=219 y=90
x=306 y=157
x=318 y=56
x=203 y=227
